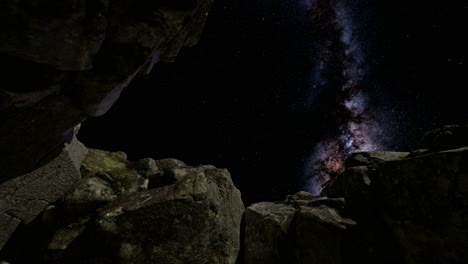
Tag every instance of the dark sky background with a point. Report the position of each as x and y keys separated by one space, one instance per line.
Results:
x=245 y=98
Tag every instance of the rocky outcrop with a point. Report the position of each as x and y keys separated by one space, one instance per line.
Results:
x=122 y=212
x=400 y=208
x=195 y=220
x=66 y=60
x=295 y=231
x=373 y=157
x=22 y=199
x=410 y=210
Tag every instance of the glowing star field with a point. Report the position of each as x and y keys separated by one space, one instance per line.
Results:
x=357 y=130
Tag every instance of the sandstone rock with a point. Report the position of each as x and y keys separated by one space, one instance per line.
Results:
x=195 y=220
x=25 y=197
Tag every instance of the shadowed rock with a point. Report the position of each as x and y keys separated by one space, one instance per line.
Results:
x=445 y=138
x=295 y=231
x=410 y=210
x=25 y=197
x=195 y=220
x=66 y=60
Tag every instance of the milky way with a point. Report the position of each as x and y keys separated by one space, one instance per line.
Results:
x=342 y=50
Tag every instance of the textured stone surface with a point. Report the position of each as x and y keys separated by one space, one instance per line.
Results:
x=66 y=60
x=319 y=234
x=295 y=232
x=425 y=200
x=25 y=197
x=114 y=168
x=40 y=130
x=410 y=210
x=195 y=220
x=266 y=232
x=106 y=177
x=138 y=34
x=373 y=157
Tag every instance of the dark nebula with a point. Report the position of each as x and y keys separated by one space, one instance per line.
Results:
x=280 y=92
x=341 y=51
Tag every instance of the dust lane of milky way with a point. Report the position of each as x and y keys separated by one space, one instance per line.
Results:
x=358 y=131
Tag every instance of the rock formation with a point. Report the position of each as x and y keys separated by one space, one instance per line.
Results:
x=60 y=202
x=23 y=198
x=65 y=60
x=303 y=229
x=400 y=208
x=111 y=216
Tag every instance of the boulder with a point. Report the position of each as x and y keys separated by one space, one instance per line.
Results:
x=107 y=176
x=319 y=232
x=409 y=210
x=425 y=202
x=161 y=172
x=195 y=220
x=23 y=198
x=266 y=232
x=114 y=168
x=294 y=231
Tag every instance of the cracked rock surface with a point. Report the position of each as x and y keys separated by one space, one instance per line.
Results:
x=148 y=211
x=23 y=198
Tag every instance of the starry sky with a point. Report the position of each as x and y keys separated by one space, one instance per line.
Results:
x=280 y=92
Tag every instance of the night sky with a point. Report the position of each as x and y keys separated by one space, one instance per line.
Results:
x=281 y=91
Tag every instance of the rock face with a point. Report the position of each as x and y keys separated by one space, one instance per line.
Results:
x=66 y=60
x=195 y=220
x=400 y=208
x=295 y=231
x=111 y=216
x=410 y=210
x=22 y=199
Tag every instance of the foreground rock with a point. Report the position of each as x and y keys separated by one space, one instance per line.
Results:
x=188 y=215
x=400 y=208
x=195 y=220
x=295 y=231
x=411 y=210
x=24 y=198
x=66 y=60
